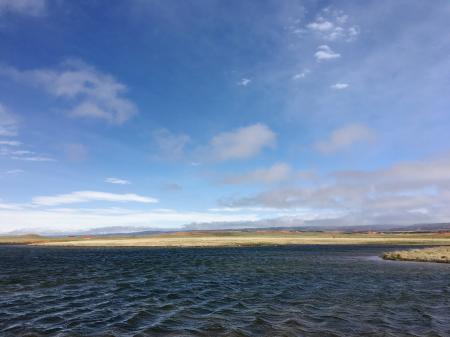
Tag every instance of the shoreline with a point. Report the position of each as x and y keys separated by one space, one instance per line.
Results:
x=208 y=239
x=439 y=254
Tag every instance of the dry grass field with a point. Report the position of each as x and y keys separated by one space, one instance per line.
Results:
x=234 y=239
x=434 y=254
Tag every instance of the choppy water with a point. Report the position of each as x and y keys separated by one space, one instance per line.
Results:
x=271 y=291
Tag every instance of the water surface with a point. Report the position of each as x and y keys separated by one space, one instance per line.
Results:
x=267 y=291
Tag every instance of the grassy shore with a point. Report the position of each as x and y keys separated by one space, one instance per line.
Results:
x=235 y=239
x=434 y=254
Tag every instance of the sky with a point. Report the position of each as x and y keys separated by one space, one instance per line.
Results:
x=214 y=114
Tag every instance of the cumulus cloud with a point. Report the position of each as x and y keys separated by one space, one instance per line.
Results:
x=24 y=7
x=241 y=143
x=276 y=173
x=333 y=25
x=345 y=137
x=89 y=92
x=407 y=192
x=87 y=196
x=168 y=145
x=325 y=53
x=117 y=181
x=339 y=86
x=321 y=25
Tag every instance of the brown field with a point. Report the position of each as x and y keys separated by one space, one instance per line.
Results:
x=434 y=254
x=234 y=239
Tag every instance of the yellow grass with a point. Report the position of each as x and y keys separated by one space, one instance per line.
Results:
x=434 y=254
x=243 y=238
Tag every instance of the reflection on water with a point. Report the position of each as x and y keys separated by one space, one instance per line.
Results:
x=270 y=291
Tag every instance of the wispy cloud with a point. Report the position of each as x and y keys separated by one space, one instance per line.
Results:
x=31 y=156
x=167 y=145
x=91 y=93
x=75 y=152
x=14 y=172
x=12 y=148
x=240 y=143
x=301 y=74
x=10 y=143
x=325 y=53
x=339 y=86
x=276 y=173
x=117 y=181
x=87 y=196
x=244 y=82
x=24 y=7
x=8 y=122
x=345 y=137
x=171 y=187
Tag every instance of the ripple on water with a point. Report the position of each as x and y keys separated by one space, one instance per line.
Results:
x=269 y=291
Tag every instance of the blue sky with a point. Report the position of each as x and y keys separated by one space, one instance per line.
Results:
x=212 y=114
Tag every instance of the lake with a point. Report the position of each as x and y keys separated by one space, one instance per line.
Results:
x=263 y=291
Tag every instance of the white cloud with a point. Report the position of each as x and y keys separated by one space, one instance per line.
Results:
x=241 y=143
x=117 y=181
x=168 y=145
x=87 y=196
x=339 y=86
x=91 y=93
x=406 y=192
x=15 y=152
x=10 y=143
x=333 y=25
x=25 y=7
x=15 y=171
x=57 y=220
x=275 y=173
x=301 y=74
x=325 y=53
x=13 y=148
x=321 y=25
x=244 y=82
x=4 y=206
x=8 y=122
x=32 y=157
x=345 y=137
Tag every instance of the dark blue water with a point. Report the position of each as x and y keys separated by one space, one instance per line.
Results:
x=271 y=291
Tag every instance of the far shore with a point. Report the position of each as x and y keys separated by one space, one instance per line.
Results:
x=433 y=254
x=236 y=239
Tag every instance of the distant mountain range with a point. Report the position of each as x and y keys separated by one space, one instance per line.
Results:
x=138 y=231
